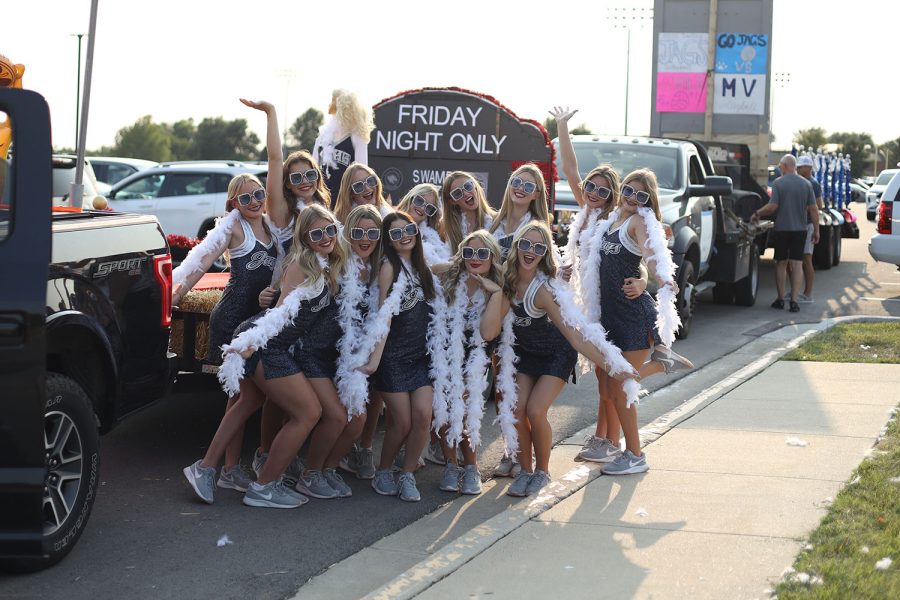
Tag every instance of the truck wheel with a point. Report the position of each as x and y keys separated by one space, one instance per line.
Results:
x=824 y=251
x=836 y=258
x=73 y=464
x=745 y=290
x=723 y=293
x=686 y=298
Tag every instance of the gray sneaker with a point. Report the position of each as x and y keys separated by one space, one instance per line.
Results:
x=471 y=481
x=273 y=495
x=259 y=461
x=507 y=468
x=383 y=482
x=350 y=462
x=313 y=483
x=537 y=482
x=337 y=483
x=202 y=479
x=626 y=464
x=520 y=485
x=599 y=450
x=237 y=478
x=294 y=471
x=435 y=454
x=408 y=490
x=365 y=467
x=450 y=478
x=671 y=360
x=804 y=299
x=401 y=459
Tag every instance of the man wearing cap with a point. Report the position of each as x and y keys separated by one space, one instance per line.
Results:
x=792 y=200
x=804 y=169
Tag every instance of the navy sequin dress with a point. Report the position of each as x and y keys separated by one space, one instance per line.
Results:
x=252 y=265
x=405 y=362
x=317 y=351
x=629 y=323
x=541 y=348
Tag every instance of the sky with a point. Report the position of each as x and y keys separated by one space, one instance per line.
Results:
x=181 y=59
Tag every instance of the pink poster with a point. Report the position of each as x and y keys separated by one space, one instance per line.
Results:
x=681 y=92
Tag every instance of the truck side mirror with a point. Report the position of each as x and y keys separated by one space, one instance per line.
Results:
x=713 y=185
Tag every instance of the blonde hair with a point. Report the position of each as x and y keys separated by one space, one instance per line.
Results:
x=451 y=224
x=344 y=203
x=538 y=206
x=365 y=211
x=235 y=185
x=648 y=179
x=405 y=204
x=322 y=193
x=547 y=263
x=458 y=267
x=307 y=259
x=351 y=115
x=612 y=178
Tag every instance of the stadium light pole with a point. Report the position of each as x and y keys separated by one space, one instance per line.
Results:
x=625 y=18
x=78 y=87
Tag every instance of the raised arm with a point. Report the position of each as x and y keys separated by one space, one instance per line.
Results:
x=276 y=207
x=544 y=300
x=567 y=151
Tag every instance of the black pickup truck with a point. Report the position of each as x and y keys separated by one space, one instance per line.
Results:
x=85 y=316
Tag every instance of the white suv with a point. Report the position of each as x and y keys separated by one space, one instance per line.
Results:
x=186 y=197
x=873 y=195
x=885 y=245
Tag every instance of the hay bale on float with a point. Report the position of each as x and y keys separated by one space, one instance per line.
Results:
x=200 y=302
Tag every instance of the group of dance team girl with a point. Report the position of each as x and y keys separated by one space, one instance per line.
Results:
x=337 y=306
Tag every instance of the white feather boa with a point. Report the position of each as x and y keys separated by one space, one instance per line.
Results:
x=264 y=329
x=324 y=145
x=351 y=384
x=667 y=319
x=590 y=267
x=216 y=241
x=439 y=370
x=507 y=387
x=435 y=249
x=572 y=255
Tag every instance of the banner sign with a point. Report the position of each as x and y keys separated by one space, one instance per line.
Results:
x=741 y=67
x=681 y=72
x=422 y=135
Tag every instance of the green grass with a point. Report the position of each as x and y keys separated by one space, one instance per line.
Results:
x=866 y=513
x=853 y=342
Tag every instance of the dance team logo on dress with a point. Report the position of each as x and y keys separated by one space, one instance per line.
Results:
x=610 y=248
x=261 y=258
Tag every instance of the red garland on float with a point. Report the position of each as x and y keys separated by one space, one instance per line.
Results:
x=549 y=170
x=182 y=242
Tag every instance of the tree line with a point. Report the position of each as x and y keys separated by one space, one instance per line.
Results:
x=866 y=156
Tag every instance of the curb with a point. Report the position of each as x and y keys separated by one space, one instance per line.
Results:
x=467 y=547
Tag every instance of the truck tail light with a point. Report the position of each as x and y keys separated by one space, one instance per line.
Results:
x=885 y=215
x=162 y=271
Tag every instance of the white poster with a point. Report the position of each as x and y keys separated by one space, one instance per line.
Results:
x=682 y=53
x=739 y=94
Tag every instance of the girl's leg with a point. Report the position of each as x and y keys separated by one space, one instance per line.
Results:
x=248 y=402
x=233 y=450
x=331 y=424
x=628 y=416
x=611 y=427
x=468 y=452
x=447 y=450
x=398 y=405
x=271 y=422
x=350 y=434
x=542 y=395
x=420 y=426
x=373 y=412
x=523 y=429
x=296 y=397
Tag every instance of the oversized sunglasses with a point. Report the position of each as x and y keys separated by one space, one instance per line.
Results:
x=407 y=231
x=534 y=247
x=466 y=188
x=258 y=194
x=590 y=187
x=359 y=187
x=430 y=209
x=527 y=186
x=316 y=235
x=641 y=197
x=297 y=177
x=469 y=253
x=358 y=233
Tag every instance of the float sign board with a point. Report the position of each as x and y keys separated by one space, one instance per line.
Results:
x=423 y=135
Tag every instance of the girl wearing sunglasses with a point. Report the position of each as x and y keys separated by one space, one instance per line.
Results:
x=245 y=237
x=260 y=363
x=549 y=332
x=424 y=205
x=465 y=208
x=344 y=138
x=472 y=283
x=630 y=234
x=402 y=337
x=525 y=200
x=359 y=185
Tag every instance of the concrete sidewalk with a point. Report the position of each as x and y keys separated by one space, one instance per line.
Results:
x=740 y=474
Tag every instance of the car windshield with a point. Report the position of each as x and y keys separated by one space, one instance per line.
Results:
x=663 y=161
x=885 y=177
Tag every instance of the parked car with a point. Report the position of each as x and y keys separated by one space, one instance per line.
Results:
x=64 y=177
x=186 y=197
x=112 y=170
x=885 y=244
x=858 y=192
x=875 y=191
